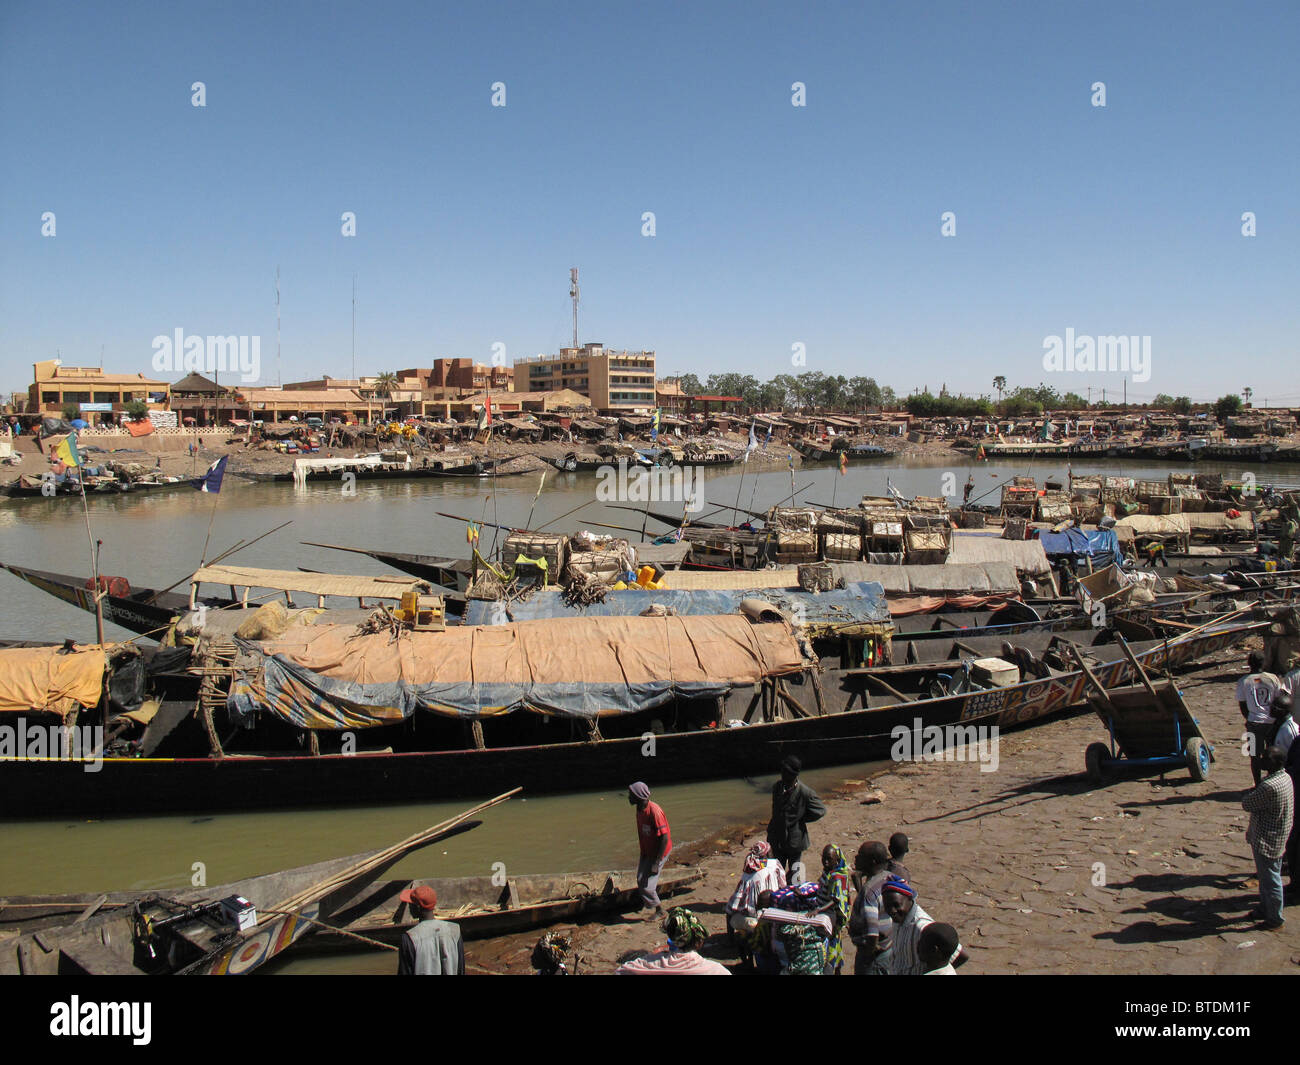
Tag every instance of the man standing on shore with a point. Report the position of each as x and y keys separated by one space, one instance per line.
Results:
x=1271 y=805
x=432 y=947
x=656 y=842
x=1255 y=693
x=794 y=804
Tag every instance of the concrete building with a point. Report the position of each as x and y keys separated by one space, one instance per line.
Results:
x=98 y=396
x=462 y=375
x=619 y=382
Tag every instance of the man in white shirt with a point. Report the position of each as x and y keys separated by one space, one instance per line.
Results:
x=909 y=922
x=1255 y=693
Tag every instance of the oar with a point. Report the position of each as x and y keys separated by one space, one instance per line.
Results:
x=239 y=546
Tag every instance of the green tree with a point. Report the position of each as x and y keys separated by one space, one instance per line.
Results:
x=1181 y=405
x=70 y=411
x=137 y=410
x=1227 y=406
x=1000 y=386
x=690 y=384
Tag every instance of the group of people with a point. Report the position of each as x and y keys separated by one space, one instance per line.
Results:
x=781 y=922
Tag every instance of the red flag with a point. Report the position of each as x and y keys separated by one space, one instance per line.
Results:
x=487 y=405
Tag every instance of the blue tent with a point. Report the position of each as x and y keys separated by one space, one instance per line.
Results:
x=1101 y=544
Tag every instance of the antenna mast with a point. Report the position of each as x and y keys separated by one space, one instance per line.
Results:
x=573 y=293
x=354 y=327
x=278 y=381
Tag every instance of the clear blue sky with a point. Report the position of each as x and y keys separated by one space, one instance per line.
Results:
x=775 y=224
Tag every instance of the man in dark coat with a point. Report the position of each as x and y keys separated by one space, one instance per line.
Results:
x=794 y=805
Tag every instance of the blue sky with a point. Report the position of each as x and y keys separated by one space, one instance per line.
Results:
x=775 y=225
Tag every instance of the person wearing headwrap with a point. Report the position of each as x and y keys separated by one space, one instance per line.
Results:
x=761 y=873
x=909 y=922
x=834 y=886
x=794 y=805
x=656 y=842
x=686 y=934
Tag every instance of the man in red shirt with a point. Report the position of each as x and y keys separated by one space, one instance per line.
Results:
x=656 y=841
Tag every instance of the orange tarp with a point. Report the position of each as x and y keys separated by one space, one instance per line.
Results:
x=44 y=678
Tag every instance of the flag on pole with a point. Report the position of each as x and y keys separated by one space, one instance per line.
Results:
x=471 y=533
x=768 y=439
x=487 y=406
x=979 y=455
x=753 y=443
x=67 y=452
x=211 y=481
x=844 y=463
x=654 y=426
x=791 y=461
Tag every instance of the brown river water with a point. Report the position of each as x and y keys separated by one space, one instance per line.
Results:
x=154 y=541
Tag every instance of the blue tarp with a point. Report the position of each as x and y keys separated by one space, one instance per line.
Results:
x=1098 y=543
x=861 y=602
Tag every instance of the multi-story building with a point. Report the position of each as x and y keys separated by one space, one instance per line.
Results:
x=463 y=375
x=96 y=394
x=614 y=381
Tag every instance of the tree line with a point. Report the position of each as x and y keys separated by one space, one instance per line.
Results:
x=816 y=392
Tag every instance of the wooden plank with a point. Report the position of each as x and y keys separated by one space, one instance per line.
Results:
x=1090 y=675
x=1142 y=673
x=90 y=910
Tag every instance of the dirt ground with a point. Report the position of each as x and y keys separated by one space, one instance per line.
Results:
x=1038 y=870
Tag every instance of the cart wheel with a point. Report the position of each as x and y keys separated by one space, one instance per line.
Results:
x=1198 y=758
x=1095 y=758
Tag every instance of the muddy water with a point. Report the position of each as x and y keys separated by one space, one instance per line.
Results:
x=157 y=540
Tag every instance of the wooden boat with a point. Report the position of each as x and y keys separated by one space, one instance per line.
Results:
x=451 y=573
x=831 y=716
x=855 y=452
x=192 y=932
x=484 y=907
x=27 y=487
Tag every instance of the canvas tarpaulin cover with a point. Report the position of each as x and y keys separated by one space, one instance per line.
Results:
x=331 y=678
x=1096 y=543
x=860 y=602
x=46 y=678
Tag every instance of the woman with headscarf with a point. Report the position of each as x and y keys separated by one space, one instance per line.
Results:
x=761 y=873
x=686 y=934
x=834 y=886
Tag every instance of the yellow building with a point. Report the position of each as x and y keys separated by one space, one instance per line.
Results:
x=97 y=395
x=617 y=382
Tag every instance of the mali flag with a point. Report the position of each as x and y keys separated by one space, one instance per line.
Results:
x=844 y=463
x=67 y=452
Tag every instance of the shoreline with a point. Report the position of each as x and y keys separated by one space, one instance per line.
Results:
x=1038 y=870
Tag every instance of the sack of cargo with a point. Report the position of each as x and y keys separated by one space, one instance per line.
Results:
x=118 y=587
x=926 y=547
x=553 y=548
x=887 y=529
x=796 y=542
x=606 y=566
x=816 y=577
x=843 y=547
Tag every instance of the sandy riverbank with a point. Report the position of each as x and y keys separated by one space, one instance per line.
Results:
x=173 y=458
x=1039 y=870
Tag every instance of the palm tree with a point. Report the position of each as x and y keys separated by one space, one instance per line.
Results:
x=385 y=383
x=1247 y=393
x=999 y=383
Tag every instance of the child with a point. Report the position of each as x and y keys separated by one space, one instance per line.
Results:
x=937 y=948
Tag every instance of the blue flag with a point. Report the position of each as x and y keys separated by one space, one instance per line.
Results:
x=211 y=481
x=654 y=426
